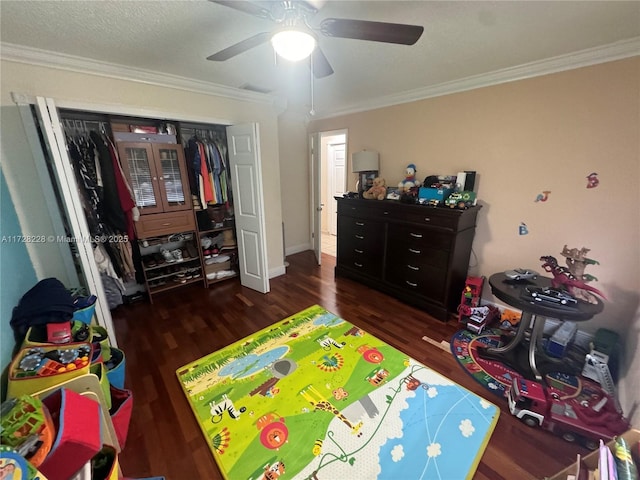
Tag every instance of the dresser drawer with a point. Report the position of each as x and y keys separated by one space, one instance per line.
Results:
x=370 y=209
x=409 y=236
x=434 y=217
x=157 y=224
x=426 y=281
x=361 y=245
x=414 y=258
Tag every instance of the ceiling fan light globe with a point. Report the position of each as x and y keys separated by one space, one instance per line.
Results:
x=293 y=45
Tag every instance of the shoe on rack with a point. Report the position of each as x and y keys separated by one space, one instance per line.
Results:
x=167 y=255
x=191 y=249
x=206 y=243
x=177 y=254
x=149 y=262
x=226 y=273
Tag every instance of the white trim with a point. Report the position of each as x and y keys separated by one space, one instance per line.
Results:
x=61 y=61
x=54 y=136
x=51 y=205
x=119 y=109
x=303 y=247
x=277 y=271
x=583 y=58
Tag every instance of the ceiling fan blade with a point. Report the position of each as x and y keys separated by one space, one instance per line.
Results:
x=246 y=7
x=240 y=47
x=373 y=31
x=321 y=66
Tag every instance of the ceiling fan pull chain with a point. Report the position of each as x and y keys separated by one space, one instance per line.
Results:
x=312 y=112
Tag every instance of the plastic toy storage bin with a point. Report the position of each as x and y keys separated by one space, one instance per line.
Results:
x=77 y=421
x=23 y=382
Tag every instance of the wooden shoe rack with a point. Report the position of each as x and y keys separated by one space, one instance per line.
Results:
x=171 y=270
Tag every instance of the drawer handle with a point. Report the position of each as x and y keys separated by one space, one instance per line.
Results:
x=411 y=284
x=386 y=213
x=166 y=224
x=412 y=250
x=359 y=265
x=413 y=267
x=360 y=224
x=358 y=251
x=359 y=237
x=415 y=235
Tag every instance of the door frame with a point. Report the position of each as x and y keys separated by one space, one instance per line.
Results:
x=54 y=136
x=331 y=217
x=317 y=182
x=126 y=110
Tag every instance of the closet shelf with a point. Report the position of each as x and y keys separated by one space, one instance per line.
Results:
x=170 y=285
x=173 y=274
x=170 y=264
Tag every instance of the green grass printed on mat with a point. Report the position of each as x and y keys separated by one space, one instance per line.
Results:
x=247 y=456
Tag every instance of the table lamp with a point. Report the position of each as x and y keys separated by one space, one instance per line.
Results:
x=366 y=165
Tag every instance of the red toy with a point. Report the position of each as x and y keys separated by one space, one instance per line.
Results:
x=584 y=413
x=471 y=295
x=77 y=421
x=477 y=318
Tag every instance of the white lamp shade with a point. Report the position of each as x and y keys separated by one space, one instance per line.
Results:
x=365 y=161
x=293 y=45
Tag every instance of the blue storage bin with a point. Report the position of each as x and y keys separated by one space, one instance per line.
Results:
x=84 y=308
x=116 y=368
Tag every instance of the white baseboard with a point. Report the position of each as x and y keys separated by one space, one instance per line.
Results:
x=297 y=248
x=277 y=271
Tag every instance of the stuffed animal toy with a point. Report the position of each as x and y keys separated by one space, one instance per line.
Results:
x=410 y=180
x=378 y=191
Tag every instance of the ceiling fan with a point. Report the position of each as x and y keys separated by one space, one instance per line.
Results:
x=293 y=15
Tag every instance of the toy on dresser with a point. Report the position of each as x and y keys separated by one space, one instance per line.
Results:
x=410 y=179
x=378 y=191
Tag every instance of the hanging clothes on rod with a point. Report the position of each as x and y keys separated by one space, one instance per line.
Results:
x=106 y=199
x=206 y=158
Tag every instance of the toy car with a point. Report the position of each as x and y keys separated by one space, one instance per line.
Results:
x=521 y=274
x=550 y=295
x=461 y=200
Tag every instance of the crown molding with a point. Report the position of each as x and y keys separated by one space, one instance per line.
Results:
x=61 y=61
x=583 y=58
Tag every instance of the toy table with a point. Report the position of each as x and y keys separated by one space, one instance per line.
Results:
x=528 y=357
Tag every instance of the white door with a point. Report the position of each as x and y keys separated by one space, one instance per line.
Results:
x=246 y=180
x=337 y=176
x=316 y=196
x=65 y=179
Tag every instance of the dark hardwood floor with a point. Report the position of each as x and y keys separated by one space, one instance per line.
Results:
x=188 y=323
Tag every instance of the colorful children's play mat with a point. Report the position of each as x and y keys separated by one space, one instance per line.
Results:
x=315 y=397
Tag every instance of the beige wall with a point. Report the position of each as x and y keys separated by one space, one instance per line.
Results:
x=525 y=137
x=137 y=99
x=295 y=181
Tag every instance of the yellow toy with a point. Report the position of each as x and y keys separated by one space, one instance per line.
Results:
x=378 y=191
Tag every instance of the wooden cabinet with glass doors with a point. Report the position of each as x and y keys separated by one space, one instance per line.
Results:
x=157 y=174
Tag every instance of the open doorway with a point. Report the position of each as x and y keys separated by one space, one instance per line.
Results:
x=333 y=182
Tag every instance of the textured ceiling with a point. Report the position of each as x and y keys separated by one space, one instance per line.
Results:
x=461 y=39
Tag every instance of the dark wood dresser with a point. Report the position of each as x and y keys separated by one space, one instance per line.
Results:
x=416 y=253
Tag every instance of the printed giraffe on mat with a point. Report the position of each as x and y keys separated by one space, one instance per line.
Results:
x=315 y=398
